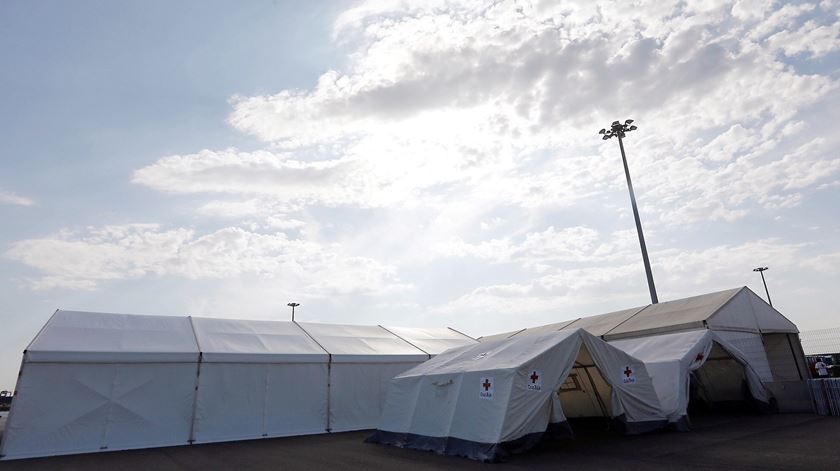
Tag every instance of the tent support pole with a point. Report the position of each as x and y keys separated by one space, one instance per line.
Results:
x=329 y=390
x=329 y=372
x=794 y=356
x=191 y=439
x=405 y=340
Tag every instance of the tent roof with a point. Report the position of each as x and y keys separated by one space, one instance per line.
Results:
x=492 y=355
x=75 y=336
x=734 y=309
x=240 y=340
x=432 y=340
x=362 y=343
x=686 y=313
x=665 y=347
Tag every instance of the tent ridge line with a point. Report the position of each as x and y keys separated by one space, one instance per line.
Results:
x=569 y=324
x=43 y=327
x=604 y=335
x=403 y=339
x=459 y=332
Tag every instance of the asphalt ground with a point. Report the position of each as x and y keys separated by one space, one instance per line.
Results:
x=785 y=441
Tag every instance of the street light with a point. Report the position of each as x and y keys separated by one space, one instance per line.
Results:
x=293 y=306
x=761 y=270
x=619 y=130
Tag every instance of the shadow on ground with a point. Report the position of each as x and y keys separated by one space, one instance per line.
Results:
x=786 y=441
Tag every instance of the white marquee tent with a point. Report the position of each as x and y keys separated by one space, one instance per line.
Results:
x=95 y=382
x=766 y=338
x=483 y=401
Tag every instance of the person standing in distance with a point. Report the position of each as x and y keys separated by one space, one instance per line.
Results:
x=821 y=368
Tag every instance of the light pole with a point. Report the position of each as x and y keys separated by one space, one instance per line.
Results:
x=761 y=270
x=619 y=130
x=293 y=306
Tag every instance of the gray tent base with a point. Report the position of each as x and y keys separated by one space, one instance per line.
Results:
x=491 y=452
x=495 y=452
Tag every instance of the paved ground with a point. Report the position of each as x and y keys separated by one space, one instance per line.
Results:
x=788 y=441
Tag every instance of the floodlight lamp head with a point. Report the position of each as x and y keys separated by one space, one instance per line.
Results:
x=632 y=128
x=606 y=136
x=293 y=304
x=628 y=122
x=616 y=123
x=602 y=131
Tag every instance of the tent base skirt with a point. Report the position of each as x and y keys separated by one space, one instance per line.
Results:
x=491 y=452
x=621 y=425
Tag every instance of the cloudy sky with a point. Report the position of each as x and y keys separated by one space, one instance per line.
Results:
x=388 y=163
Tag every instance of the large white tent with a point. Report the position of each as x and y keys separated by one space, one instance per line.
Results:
x=767 y=340
x=483 y=401
x=96 y=382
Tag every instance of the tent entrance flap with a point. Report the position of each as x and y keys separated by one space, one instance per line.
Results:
x=721 y=384
x=585 y=392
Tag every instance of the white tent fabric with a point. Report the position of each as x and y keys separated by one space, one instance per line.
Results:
x=363 y=360
x=670 y=358
x=258 y=379
x=737 y=310
x=92 y=382
x=484 y=400
x=432 y=340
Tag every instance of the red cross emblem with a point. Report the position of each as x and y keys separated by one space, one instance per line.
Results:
x=627 y=371
x=486 y=384
x=699 y=357
x=534 y=377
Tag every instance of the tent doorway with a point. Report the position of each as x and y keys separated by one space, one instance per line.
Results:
x=720 y=386
x=585 y=396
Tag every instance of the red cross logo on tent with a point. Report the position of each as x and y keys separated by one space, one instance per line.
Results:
x=629 y=377
x=699 y=357
x=486 y=384
x=534 y=377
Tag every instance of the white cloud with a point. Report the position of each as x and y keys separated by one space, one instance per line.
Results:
x=449 y=100
x=464 y=133
x=563 y=293
x=8 y=197
x=539 y=249
x=83 y=260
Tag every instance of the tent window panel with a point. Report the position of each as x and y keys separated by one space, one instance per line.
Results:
x=570 y=384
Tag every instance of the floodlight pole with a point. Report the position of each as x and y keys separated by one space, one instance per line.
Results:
x=293 y=306
x=617 y=129
x=761 y=270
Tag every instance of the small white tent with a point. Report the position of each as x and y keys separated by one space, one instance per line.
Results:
x=671 y=358
x=485 y=400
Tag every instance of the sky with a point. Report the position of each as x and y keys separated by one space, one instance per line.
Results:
x=430 y=163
